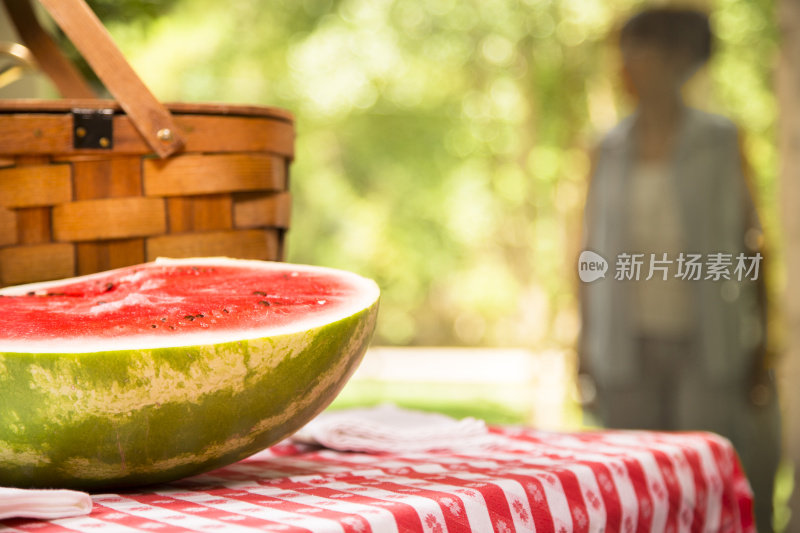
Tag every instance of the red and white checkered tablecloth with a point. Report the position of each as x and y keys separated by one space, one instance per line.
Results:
x=528 y=481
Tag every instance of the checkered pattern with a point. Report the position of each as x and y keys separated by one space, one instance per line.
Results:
x=611 y=481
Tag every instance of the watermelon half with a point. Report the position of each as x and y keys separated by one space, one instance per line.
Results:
x=154 y=372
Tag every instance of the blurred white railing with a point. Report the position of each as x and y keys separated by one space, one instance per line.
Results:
x=536 y=385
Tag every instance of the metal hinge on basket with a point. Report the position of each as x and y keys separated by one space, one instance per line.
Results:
x=93 y=128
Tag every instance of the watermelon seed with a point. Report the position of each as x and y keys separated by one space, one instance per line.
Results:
x=189 y=318
x=109 y=286
x=264 y=303
x=153 y=325
x=225 y=311
x=259 y=293
x=30 y=293
x=172 y=327
x=163 y=319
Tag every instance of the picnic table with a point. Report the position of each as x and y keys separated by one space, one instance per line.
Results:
x=525 y=480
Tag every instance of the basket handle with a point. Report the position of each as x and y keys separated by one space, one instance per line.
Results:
x=153 y=121
x=47 y=55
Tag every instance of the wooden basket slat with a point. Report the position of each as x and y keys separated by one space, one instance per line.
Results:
x=254 y=244
x=262 y=209
x=107 y=178
x=112 y=218
x=52 y=134
x=8 y=227
x=30 y=186
x=209 y=174
x=199 y=213
x=32 y=160
x=34 y=225
x=106 y=255
x=35 y=134
x=215 y=134
x=25 y=264
x=236 y=134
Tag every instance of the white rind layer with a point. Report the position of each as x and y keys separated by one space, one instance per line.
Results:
x=365 y=295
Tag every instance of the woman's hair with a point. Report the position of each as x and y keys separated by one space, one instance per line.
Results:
x=674 y=30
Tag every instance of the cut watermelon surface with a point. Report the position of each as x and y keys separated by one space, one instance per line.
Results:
x=157 y=371
x=174 y=302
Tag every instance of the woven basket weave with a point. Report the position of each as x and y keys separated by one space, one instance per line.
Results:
x=89 y=184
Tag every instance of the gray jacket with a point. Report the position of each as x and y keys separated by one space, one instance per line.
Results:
x=717 y=211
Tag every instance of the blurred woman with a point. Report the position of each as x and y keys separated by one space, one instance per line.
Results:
x=682 y=350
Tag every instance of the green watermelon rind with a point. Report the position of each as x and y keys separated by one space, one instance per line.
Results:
x=124 y=418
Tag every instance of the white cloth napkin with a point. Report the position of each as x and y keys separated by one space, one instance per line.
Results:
x=43 y=503
x=388 y=428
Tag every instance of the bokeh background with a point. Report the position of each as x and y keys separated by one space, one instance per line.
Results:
x=443 y=145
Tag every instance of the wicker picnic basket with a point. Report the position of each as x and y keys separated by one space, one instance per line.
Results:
x=88 y=184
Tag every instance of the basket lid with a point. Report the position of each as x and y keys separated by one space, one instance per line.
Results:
x=179 y=108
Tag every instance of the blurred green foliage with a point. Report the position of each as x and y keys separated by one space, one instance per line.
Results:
x=442 y=144
x=127 y=10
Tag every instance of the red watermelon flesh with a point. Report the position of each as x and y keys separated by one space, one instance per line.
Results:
x=175 y=303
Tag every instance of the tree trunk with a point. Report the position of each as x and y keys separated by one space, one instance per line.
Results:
x=788 y=89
